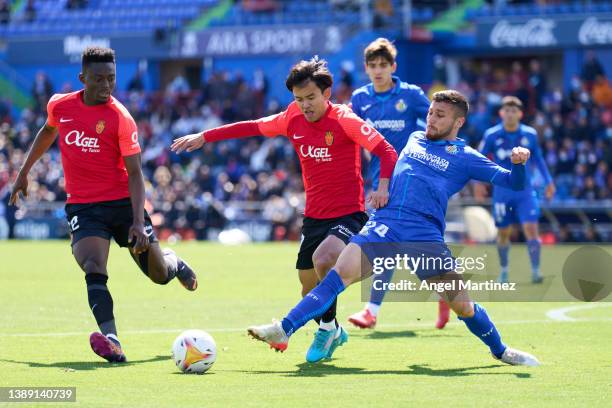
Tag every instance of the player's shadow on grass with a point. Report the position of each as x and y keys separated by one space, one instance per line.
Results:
x=381 y=335
x=417 y=369
x=86 y=365
x=324 y=370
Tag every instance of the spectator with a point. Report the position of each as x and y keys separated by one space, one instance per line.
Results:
x=260 y=5
x=602 y=93
x=591 y=235
x=347 y=5
x=42 y=90
x=591 y=69
x=383 y=13
x=136 y=84
x=76 y=4
x=565 y=235
x=5 y=12
x=517 y=83
x=179 y=85
x=260 y=91
x=537 y=86
x=30 y=11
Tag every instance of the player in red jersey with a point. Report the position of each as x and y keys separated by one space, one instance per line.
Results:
x=327 y=138
x=105 y=188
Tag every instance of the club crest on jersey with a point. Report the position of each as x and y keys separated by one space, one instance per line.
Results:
x=329 y=138
x=452 y=149
x=401 y=106
x=100 y=126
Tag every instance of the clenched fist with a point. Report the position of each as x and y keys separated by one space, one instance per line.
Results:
x=520 y=155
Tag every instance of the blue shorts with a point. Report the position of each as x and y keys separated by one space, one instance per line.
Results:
x=518 y=209
x=385 y=239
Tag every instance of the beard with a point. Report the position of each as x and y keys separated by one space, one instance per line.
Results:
x=438 y=134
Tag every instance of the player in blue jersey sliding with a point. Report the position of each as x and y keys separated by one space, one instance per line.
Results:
x=434 y=165
x=395 y=109
x=514 y=207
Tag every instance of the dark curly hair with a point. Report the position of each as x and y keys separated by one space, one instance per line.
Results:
x=97 y=54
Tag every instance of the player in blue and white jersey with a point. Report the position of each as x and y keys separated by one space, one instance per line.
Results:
x=395 y=109
x=433 y=166
x=516 y=207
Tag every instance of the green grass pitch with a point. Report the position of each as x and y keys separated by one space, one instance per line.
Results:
x=406 y=362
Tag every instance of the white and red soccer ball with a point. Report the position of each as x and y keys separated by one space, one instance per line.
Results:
x=194 y=351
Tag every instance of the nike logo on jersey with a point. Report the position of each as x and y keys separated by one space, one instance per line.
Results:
x=499 y=142
x=295 y=137
x=62 y=120
x=366 y=107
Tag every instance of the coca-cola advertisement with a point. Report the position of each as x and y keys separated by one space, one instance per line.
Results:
x=545 y=32
x=594 y=31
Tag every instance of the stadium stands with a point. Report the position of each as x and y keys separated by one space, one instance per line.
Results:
x=54 y=18
x=242 y=181
x=320 y=12
x=540 y=8
x=101 y=16
x=50 y=17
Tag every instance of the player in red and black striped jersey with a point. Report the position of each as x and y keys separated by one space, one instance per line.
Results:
x=105 y=189
x=327 y=138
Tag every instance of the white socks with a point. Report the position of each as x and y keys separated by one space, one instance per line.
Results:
x=373 y=308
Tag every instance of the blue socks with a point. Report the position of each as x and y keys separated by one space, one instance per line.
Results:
x=533 y=246
x=482 y=327
x=503 y=251
x=315 y=303
x=378 y=281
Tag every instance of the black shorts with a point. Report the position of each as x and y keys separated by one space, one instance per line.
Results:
x=105 y=220
x=314 y=231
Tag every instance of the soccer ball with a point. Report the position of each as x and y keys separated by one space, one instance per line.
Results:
x=194 y=351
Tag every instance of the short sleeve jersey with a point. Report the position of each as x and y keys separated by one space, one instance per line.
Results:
x=329 y=152
x=93 y=141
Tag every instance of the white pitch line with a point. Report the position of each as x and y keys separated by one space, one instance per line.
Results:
x=243 y=329
x=560 y=315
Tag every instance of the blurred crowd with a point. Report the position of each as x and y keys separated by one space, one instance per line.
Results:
x=197 y=195
x=192 y=195
x=574 y=127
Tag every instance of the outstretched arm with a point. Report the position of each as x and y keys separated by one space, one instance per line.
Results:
x=268 y=126
x=43 y=141
x=482 y=169
x=231 y=131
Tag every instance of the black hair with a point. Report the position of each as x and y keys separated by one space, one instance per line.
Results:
x=97 y=54
x=314 y=70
